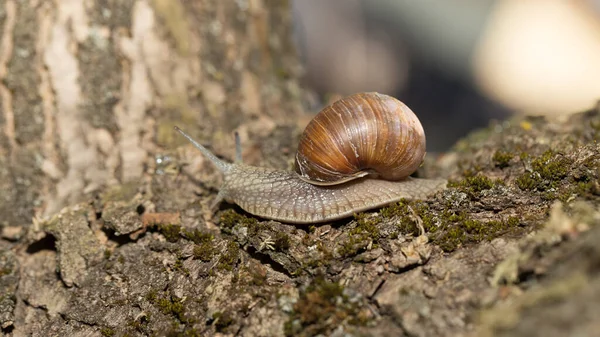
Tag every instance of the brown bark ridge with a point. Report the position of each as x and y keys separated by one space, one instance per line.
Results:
x=104 y=229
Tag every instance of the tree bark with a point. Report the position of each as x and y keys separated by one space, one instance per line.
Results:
x=90 y=90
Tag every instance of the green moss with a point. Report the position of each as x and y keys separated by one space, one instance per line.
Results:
x=323 y=306
x=197 y=236
x=191 y=332
x=172 y=306
x=552 y=195
x=448 y=216
x=473 y=183
x=119 y=302
x=528 y=181
x=551 y=166
x=230 y=219
x=513 y=221
x=359 y=237
x=282 y=242
x=405 y=215
x=424 y=212
x=502 y=159
x=584 y=188
x=569 y=192
x=222 y=320
x=458 y=230
x=349 y=247
x=366 y=225
x=397 y=209
x=406 y=221
x=178 y=266
x=315 y=262
x=121 y=259
x=452 y=238
x=107 y=332
x=595 y=124
x=229 y=259
x=204 y=251
x=325 y=250
x=547 y=171
x=170 y=231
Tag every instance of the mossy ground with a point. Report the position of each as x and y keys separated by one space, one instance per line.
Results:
x=321 y=307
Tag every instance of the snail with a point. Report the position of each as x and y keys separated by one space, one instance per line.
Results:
x=356 y=154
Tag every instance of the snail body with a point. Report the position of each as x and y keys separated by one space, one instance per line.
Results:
x=378 y=142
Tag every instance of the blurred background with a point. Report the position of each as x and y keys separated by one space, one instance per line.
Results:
x=456 y=63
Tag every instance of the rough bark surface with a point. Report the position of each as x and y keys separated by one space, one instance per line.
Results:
x=105 y=229
x=91 y=90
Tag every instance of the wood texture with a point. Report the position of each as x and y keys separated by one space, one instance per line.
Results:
x=90 y=90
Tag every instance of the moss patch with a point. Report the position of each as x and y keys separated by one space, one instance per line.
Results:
x=322 y=307
x=457 y=230
x=178 y=266
x=547 y=171
x=448 y=229
x=474 y=183
x=528 y=181
x=230 y=219
x=551 y=165
x=197 y=236
x=170 y=232
x=171 y=305
x=107 y=332
x=204 y=252
x=406 y=224
x=365 y=232
x=502 y=159
x=230 y=258
x=282 y=242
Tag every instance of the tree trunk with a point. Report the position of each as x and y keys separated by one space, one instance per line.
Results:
x=90 y=90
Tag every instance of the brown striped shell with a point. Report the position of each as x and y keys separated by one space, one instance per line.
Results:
x=362 y=134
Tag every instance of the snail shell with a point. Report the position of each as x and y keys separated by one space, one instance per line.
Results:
x=362 y=134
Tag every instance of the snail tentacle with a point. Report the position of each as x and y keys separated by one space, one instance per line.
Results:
x=238 y=148
x=223 y=166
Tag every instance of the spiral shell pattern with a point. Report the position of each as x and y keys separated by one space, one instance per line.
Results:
x=362 y=134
